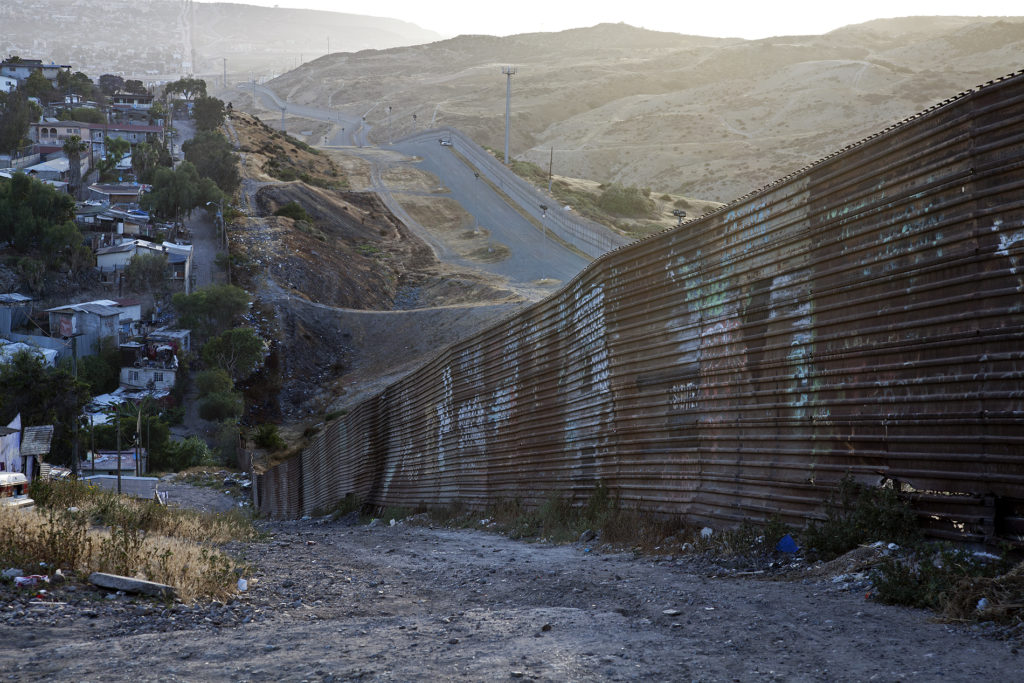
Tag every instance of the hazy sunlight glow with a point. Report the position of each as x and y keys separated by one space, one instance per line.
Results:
x=723 y=18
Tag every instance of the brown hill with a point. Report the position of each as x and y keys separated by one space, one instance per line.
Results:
x=705 y=117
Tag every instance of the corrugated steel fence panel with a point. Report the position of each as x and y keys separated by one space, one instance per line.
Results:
x=861 y=316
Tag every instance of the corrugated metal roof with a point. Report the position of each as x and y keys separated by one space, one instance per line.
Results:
x=94 y=308
x=14 y=298
x=36 y=440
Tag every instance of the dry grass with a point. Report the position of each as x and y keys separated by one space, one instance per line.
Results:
x=78 y=528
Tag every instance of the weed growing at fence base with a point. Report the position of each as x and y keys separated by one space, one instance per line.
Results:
x=82 y=529
x=861 y=514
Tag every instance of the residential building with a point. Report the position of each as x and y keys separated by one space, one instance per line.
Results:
x=21 y=69
x=127 y=100
x=151 y=365
x=111 y=261
x=91 y=321
x=124 y=195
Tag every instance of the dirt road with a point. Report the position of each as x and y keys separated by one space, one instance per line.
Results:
x=336 y=602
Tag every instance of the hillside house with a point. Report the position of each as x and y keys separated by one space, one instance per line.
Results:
x=21 y=69
x=93 y=321
x=150 y=365
x=127 y=100
x=112 y=260
x=123 y=195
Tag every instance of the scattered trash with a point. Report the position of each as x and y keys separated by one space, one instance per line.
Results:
x=706 y=532
x=982 y=605
x=893 y=546
x=587 y=536
x=30 y=580
x=11 y=573
x=72 y=509
x=786 y=544
x=243 y=585
x=670 y=612
x=392 y=523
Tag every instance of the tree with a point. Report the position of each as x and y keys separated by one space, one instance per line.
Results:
x=188 y=88
x=110 y=84
x=16 y=113
x=116 y=149
x=77 y=83
x=147 y=272
x=214 y=158
x=211 y=310
x=146 y=158
x=28 y=207
x=178 y=191
x=38 y=86
x=238 y=351
x=221 y=406
x=135 y=87
x=83 y=114
x=43 y=396
x=73 y=148
x=101 y=371
x=208 y=112
x=215 y=381
x=180 y=455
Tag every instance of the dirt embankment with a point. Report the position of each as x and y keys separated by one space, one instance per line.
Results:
x=310 y=278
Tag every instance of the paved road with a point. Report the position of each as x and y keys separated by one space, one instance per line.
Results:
x=534 y=255
x=206 y=238
x=352 y=130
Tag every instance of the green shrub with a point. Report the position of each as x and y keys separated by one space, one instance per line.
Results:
x=216 y=381
x=295 y=211
x=220 y=406
x=268 y=437
x=931 y=576
x=860 y=514
x=627 y=202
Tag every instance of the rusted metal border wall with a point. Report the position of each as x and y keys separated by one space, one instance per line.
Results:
x=861 y=316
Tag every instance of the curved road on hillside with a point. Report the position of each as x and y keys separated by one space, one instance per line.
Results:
x=534 y=255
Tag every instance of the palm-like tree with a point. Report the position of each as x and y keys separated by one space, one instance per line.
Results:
x=73 y=148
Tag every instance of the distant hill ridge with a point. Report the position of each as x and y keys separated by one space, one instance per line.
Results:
x=158 y=39
x=705 y=117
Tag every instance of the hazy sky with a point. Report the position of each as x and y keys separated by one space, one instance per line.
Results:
x=706 y=17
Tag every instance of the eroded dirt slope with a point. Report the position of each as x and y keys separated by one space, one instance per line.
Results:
x=310 y=278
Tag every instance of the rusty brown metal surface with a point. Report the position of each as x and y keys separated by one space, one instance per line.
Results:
x=861 y=316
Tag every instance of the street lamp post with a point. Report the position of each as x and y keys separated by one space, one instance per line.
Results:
x=543 y=225
x=680 y=215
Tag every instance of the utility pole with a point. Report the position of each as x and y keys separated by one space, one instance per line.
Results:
x=551 y=163
x=509 y=71
x=389 y=124
x=283 y=110
x=225 y=71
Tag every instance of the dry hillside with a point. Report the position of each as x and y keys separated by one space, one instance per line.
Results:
x=346 y=294
x=701 y=117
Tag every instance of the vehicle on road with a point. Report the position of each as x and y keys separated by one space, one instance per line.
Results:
x=445 y=142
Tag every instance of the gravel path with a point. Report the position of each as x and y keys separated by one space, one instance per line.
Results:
x=334 y=600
